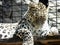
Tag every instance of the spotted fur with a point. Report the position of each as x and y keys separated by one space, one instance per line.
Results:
x=34 y=23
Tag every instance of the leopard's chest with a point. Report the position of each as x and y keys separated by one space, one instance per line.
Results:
x=35 y=32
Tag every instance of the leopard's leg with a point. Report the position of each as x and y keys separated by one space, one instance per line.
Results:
x=26 y=35
x=48 y=30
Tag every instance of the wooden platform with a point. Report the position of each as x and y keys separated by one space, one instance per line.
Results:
x=41 y=42
x=17 y=43
x=52 y=40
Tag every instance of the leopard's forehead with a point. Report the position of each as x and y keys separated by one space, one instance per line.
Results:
x=37 y=6
x=38 y=9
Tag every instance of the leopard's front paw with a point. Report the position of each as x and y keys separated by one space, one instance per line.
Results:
x=43 y=33
x=53 y=31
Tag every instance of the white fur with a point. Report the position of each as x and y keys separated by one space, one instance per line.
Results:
x=0 y=2
x=8 y=27
x=54 y=30
x=18 y=1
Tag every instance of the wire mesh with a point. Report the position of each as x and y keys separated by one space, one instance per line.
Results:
x=54 y=13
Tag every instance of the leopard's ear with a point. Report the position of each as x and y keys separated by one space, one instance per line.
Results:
x=45 y=2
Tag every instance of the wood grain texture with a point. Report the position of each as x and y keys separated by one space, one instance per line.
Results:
x=17 y=43
x=54 y=42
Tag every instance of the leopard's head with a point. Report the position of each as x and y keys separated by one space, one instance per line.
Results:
x=37 y=14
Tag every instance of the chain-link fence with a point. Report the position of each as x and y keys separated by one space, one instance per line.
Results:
x=54 y=13
x=11 y=12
